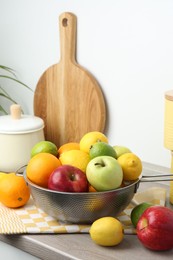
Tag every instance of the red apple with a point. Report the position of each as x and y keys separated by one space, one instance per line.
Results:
x=155 y=228
x=68 y=179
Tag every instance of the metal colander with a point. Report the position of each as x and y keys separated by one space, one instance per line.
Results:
x=86 y=207
x=83 y=207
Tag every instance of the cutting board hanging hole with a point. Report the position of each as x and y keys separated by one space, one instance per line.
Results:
x=65 y=22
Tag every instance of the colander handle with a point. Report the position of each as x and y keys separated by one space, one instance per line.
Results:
x=157 y=177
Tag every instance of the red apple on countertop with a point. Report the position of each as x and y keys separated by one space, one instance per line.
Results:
x=68 y=178
x=155 y=228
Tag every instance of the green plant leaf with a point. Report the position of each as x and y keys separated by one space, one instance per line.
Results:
x=8 y=70
x=3 y=110
x=7 y=97
x=12 y=77
x=18 y=81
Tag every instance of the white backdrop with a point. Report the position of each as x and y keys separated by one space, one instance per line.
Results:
x=126 y=44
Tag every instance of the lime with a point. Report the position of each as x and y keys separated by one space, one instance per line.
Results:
x=106 y=231
x=100 y=149
x=121 y=150
x=137 y=212
x=44 y=147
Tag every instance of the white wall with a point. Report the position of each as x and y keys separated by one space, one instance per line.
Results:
x=126 y=44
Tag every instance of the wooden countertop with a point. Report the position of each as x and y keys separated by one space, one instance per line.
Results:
x=81 y=247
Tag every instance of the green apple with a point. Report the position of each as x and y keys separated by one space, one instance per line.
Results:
x=100 y=149
x=121 y=150
x=104 y=173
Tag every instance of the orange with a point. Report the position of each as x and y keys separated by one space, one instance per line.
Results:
x=40 y=167
x=14 y=191
x=91 y=189
x=67 y=147
x=76 y=158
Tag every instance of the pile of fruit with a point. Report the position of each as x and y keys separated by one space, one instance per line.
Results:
x=90 y=165
x=93 y=165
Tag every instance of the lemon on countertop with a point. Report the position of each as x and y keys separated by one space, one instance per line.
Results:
x=107 y=231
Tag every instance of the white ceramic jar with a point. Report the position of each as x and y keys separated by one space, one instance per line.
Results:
x=18 y=134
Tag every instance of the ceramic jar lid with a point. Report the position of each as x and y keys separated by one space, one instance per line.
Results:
x=169 y=95
x=16 y=122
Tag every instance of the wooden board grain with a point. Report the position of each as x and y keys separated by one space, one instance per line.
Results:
x=67 y=97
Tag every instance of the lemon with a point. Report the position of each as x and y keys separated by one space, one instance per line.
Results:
x=137 y=212
x=44 y=147
x=76 y=158
x=131 y=165
x=90 y=138
x=100 y=149
x=106 y=231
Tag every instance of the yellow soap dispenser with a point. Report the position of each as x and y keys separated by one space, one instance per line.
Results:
x=168 y=131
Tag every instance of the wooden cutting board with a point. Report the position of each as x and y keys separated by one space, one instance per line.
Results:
x=67 y=97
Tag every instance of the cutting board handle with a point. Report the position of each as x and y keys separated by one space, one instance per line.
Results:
x=67 y=26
